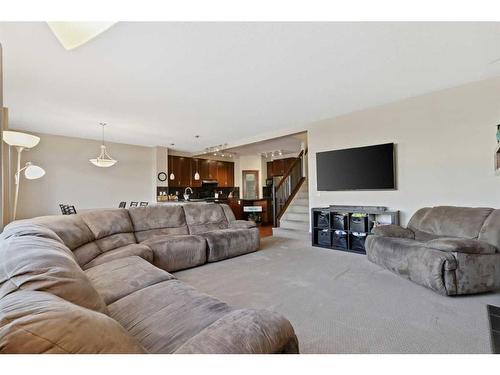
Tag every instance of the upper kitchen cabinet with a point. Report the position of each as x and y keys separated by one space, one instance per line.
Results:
x=270 y=169
x=180 y=166
x=184 y=169
x=225 y=173
x=279 y=167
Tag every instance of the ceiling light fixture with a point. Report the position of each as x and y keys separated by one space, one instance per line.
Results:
x=104 y=160
x=74 y=34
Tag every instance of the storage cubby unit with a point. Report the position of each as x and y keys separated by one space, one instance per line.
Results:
x=347 y=227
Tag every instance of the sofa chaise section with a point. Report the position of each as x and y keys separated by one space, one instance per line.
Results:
x=451 y=250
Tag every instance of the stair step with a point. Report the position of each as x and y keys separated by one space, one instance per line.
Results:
x=303 y=217
x=297 y=209
x=300 y=202
x=302 y=194
x=296 y=225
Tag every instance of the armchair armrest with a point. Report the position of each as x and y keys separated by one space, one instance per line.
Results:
x=242 y=224
x=245 y=331
x=461 y=245
x=394 y=231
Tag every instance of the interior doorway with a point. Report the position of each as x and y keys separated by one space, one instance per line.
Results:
x=250 y=180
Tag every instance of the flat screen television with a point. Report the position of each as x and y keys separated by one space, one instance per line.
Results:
x=361 y=168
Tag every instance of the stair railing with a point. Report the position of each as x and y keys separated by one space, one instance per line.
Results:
x=288 y=187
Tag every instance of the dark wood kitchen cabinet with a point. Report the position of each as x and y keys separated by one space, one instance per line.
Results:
x=184 y=169
x=212 y=169
x=222 y=174
x=181 y=168
x=225 y=173
x=270 y=173
x=279 y=167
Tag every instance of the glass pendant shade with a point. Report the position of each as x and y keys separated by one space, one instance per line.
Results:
x=19 y=139
x=196 y=176
x=104 y=160
x=172 y=176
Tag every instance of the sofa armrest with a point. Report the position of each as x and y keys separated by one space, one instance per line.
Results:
x=245 y=331
x=461 y=245
x=393 y=231
x=242 y=224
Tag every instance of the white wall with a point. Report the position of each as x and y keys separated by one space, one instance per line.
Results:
x=445 y=146
x=70 y=177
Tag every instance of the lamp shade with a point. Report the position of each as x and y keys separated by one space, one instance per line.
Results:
x=32 y=172
x=103 y=163
x=19 y=139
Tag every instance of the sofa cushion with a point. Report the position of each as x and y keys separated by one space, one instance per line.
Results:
x=461 y=245
x=449 y=221
x=202 y=218
x=242 y=224
x=38 y=322
x=71 y=229
x=393 y=231
x=490 y=231
x=164 y=316
x=120 y=277
x=227 y=243
x=41 y=264
x=85 y=253
x=139 y=250
x=228 y=212
x=244 y=331
x=24 y=228
x=111 y=228
x=431 y=268
x=173 y=253
x=158 y=220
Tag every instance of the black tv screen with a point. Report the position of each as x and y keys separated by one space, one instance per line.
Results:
x=361 y=168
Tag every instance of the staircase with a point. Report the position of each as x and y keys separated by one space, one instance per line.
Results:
x=296 y=216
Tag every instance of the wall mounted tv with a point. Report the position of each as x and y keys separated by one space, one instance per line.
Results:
x=361 y=168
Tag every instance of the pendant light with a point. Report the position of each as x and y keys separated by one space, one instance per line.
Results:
x=197 y=174
x=104 y=160
x=171 y=176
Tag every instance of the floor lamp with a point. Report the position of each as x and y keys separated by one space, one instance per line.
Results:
x=22 y=141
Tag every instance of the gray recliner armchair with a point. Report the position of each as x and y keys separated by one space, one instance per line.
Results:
x=451 y=250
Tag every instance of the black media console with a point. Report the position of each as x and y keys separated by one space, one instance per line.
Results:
x=346 y=227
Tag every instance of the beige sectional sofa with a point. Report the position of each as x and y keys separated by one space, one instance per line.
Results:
x=99 y=282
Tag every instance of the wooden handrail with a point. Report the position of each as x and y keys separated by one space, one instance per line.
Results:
x=290 y=168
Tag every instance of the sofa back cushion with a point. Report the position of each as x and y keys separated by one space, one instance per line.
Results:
x=38 y=322
x=70 y=228
x=490 y=232
x=158 y=220
x=111 y=228
x=43 y=264
x=449 y=221
x=228 y=212
x=204 y=217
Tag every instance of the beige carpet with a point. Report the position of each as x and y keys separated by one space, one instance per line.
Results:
x=342 y=303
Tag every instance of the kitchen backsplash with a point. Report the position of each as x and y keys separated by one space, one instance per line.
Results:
x=199 y=192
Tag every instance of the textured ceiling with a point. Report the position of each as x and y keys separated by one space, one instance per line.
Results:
x=162 y=83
